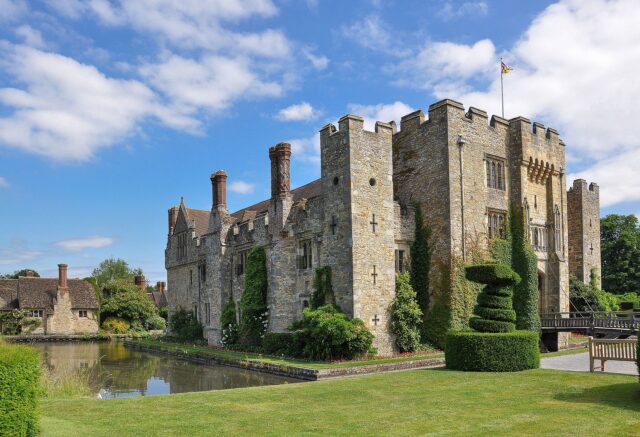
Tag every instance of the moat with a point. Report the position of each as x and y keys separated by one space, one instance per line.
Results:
x=114 y=371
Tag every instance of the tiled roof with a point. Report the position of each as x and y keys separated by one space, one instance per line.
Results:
x=8 y=294
x=312 y=189
x=40 y=293
x=158 y=298
x=201 y=218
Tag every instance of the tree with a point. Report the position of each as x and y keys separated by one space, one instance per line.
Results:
x=18 y=273
x=124 y=300
x=114 y=270
x=421 y=262
x=406 y=315
x=620 y=243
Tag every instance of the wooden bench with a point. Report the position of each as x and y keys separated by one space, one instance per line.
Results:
x=614 y=350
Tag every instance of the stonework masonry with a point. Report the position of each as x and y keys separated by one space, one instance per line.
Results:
x=464 y=170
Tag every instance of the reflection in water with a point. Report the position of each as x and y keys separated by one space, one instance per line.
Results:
x=115 y=371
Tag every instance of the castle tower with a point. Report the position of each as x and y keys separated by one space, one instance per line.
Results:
x=357 y=181
x=584 y=231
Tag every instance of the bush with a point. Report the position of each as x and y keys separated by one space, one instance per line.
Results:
x=126 y=301
x=327 y=334
x=184 y=326
x=492 y=352
x=586 y=297
x=19 y=390
x=281 y=343
x=406 y=316
x=494 y=312
x=253 y=303
x=229 y=325
x=156 y=322
x=115 y=325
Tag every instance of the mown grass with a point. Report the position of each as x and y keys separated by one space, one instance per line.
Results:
x=205 y=351
x=434 y=401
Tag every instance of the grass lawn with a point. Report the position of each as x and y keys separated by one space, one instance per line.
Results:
x=415 y=402
x=204 y=351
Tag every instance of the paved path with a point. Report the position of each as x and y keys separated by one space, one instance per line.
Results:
x=580 y=363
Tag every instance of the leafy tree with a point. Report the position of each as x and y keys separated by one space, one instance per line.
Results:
x=620 y=243
x=588 y=297
x=124 y=300
x=114 y=270
x=421 y=262
x=253 y=303
x=18 y=273
x=406 y=316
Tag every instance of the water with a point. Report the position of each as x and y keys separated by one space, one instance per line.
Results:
x=114 y=371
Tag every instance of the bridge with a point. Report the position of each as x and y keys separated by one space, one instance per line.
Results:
x=594 y=323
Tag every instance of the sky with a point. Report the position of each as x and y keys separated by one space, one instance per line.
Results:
x=110 y=111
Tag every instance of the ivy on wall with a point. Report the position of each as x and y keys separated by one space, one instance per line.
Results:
x=323 y=294
x=253 y=303
x=421 y=266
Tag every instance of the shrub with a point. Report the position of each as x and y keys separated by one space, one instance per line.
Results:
x=587 y=297
x=492 y=352
x=421 y=265
x=327 y=334
x=494 y=311
x=19 y=390
x=281 y=343
x=253 y=303
x=184 y=326
x=115 y=325
x=126 y=301
x=156 y=322
x=406 y=316
x=323 y=294
x=16 y=321
x=229 y=325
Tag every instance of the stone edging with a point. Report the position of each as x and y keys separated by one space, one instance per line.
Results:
x=294 y=371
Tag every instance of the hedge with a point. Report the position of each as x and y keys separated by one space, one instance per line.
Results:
x=19 y=389
x=492 y=352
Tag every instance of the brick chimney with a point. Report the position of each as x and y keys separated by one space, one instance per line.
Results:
x=219 y=189
x=173 y=218
x=30 y=274
x=139 y=281
x=280 y=156
x=62 y=276
x=160 y=286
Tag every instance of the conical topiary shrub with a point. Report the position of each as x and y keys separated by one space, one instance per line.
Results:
x=494 y=311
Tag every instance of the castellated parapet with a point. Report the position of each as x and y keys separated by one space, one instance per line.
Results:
x=584 y=231
x=463 y=168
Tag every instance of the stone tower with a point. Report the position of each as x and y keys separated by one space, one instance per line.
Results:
x=584 y=230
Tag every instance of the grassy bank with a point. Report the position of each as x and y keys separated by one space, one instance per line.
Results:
x=404 y=403
x=207 y=352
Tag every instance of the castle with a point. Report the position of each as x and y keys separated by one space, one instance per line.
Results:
x=461 y=168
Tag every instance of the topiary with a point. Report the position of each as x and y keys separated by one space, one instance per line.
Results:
x=115 y=325
x=494 y=312
x=406 y=316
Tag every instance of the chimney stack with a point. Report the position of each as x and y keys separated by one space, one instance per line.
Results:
x=280 y=156
x=139 y=281
x=62 y=275
x=29 y=274
x=219 y=189
x=173 y=218
x=160 y=286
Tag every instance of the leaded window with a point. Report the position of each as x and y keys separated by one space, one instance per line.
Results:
x=305 y=256
x=495 y=224
x=495 y=173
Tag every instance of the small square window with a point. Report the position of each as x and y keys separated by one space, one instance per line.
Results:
x=37 y=313
x=83 y=313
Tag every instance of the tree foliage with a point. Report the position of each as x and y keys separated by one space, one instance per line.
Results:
x=406 y=315
x=124 y=300
x=253 y=303
x=18 y=273
x=229 y=324
x=588 y=297
x=113 y=269
x=421 y=263
x=620 y=246
x=184 y=325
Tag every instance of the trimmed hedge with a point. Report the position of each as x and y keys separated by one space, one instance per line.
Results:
x=492 y=352
x=19 y=390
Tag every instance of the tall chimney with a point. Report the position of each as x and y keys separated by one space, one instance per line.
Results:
x=62 y=275
x=139 y=281
x=160 y=286
x=173 y=218
x=280 y=156
x=219 y=189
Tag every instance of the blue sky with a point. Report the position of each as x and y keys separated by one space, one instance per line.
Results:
x=112 y=110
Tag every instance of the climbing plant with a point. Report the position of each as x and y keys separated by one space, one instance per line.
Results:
x=323 y=294
x=421 y=265
x=253 y=303
x=229 y=324
x=406 y=316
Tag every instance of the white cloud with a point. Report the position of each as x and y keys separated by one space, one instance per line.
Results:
x=3 y=182
x=17 y=253
x=75 y=245
x=380 y=112
x=372 y=33
x=31 y=37
x=318 y=62
x=242 y=187
x=11 y=10
x=450 y=12
x=306 y=149
x=297 y=112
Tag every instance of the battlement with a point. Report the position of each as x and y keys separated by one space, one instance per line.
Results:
x=582 y=186
x=351 y=123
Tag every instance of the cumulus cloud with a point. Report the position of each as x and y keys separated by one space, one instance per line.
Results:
x=297 y=112
x=242 y=187
x=449 y=11
x=385 y=112
x=306 y=149
x=76 y=245
x=3 y=182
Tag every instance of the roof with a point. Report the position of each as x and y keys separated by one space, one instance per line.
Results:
x=40 y=293
x=158 y=298
x=201 y=219
x=312 y=189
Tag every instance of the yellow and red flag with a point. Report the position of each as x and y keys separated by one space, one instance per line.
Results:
x=504 y=68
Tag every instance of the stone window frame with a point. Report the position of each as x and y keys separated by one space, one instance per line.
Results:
x=558 y=230
x=305 y=253
x=207 y=313
x=496 y=220
x=182 y=245
x=83 y=314
x=240 y=261
x=401 y=260
x=495 y=172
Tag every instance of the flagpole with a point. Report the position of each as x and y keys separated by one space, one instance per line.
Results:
x=501 y=88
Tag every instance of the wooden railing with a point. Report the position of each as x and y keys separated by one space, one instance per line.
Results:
x=611 y=350
x=591 y=321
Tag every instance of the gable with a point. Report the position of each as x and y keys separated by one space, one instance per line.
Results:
x=182 y=223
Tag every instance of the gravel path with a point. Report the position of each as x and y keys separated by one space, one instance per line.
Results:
x=580 y=363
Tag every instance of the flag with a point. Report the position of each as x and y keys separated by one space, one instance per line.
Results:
x=504 y=68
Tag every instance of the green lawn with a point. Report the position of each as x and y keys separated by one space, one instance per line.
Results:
x=204 y=351
x=434 y=401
